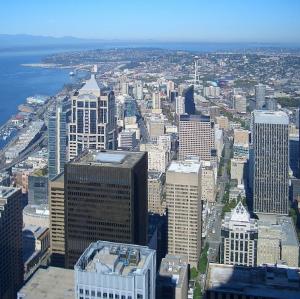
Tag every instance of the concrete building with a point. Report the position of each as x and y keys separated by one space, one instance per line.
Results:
x=219 y=142
x=93 y=122
x=239 y=238
x=238 y=169
x=180 y=105
x=57 y=220
x=260 y=96
x=277 y=241
x=172 y=282
x=196 y=137
x=155 y=192
x=183 y=194
x=105 y=199
x=116 y=270
x=156 y=101
x=37 y=215
x=241 y=136
x=158 y=156
x=231 y=281
x=208 y=181
x=223 y=122
x=211 y=91
x=270 y=161
x=11 y=260
x=50 y=283
x=127 y=139
x=240 y=104
x=156 y=127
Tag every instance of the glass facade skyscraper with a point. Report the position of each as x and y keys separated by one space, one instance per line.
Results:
x=57 y=139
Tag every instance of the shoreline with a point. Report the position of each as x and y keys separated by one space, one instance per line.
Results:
x=45 y=65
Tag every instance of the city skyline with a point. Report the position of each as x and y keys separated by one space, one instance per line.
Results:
x=220 y=21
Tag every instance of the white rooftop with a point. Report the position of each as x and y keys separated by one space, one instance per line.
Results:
x=270 y=117
x=91 y=86
x=185 y=166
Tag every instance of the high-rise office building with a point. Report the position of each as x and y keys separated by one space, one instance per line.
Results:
x=57 y=220
x=156 y=101
x=155 y=192
x=57 y=140
x=189 y=100
x=240 y=103
x=105 y=199
x=116 y=270
x=270 y=162
x=11 y=260
x=196 y=137
x=260 y=96
x=183 y=196
x=180 y=105
x=239 y=235
x=93 y=122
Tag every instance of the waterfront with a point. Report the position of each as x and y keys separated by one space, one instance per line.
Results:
x=18 y=82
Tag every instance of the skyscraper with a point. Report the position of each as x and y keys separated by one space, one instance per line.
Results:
x=239 y=238
x=189 y=100
x=270 y=161
x=260 y=95
x=196 y=137
x=57 y=140
x=93 y=123
x=183 y=194
x=11 y=260
x=57 y=220
x=105 y=199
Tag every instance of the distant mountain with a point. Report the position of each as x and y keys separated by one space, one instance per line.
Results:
x=23 y=40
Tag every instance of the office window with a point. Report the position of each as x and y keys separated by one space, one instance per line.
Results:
x=80 y=291
x=87 y=292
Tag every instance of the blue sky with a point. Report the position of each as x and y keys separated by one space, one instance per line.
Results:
x=165 y=20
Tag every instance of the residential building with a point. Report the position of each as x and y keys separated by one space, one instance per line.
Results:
x=277 y=241
x=196 y=137
x=239 y=238
x=232 y=281
x=172 y=282
x=180 y=105
x=105 y=199
x=93 y=123
x=270 y=161
x=57 y=220
x=183 y=198
x=116 y=270
x=156 y=101
x=223 y=122
x=11 y=260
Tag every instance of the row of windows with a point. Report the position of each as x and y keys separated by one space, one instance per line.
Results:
x=106 y=295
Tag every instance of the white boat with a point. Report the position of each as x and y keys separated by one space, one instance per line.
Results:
x=72 y=74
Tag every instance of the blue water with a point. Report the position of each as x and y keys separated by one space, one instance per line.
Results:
x=18 y=82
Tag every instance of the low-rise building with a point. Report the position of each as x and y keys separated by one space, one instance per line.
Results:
x=231 y=281
x=172 y=282
x=116 y=270
x=277 y=241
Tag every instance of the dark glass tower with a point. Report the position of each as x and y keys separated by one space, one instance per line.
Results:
x=105 y=199
x=189 y=100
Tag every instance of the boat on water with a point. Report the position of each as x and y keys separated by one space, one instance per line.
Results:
x=72 y=74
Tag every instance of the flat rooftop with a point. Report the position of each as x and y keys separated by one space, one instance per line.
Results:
x=50 y=283
x=115 y=258
x=200 y=117
x=184 y=166
x=6 y=192
x=175 y=267
x=282 y=225
x=266 y=281
x=270 y=117
x=154 y=175
x=123 y=159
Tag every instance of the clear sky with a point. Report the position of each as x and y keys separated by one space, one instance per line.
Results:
x=165 y=20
